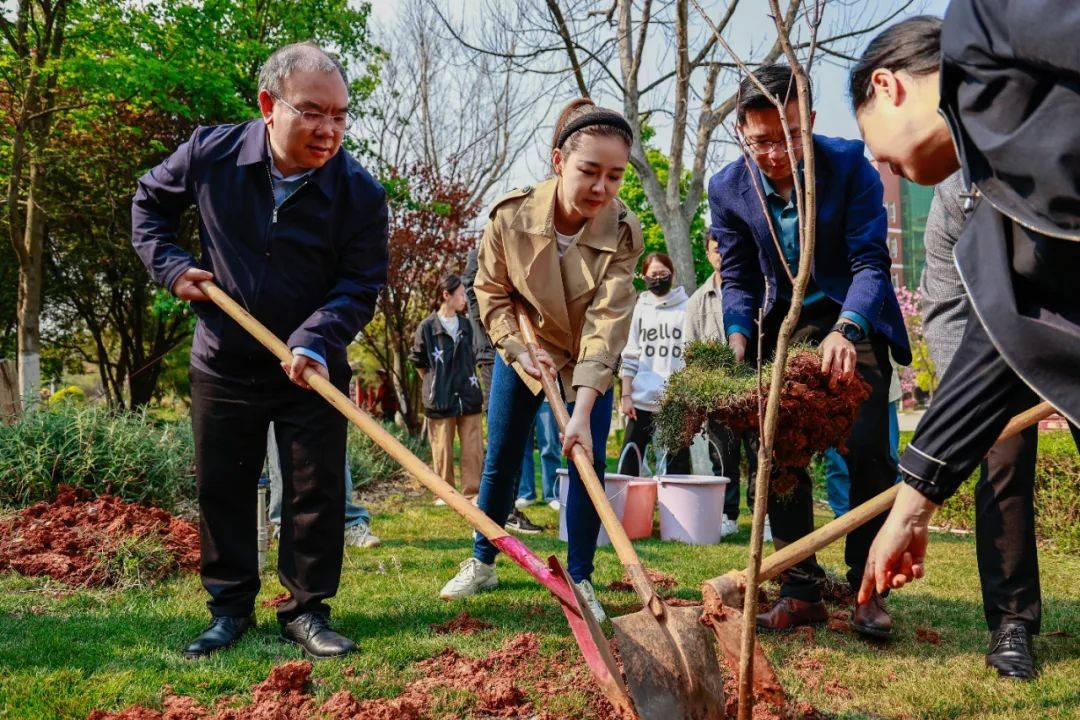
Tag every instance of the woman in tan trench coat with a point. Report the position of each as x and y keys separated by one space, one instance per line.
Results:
x=568 y=248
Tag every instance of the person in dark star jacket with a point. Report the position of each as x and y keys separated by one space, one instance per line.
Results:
x=992 y=90
x=295 y=230
x=850 y=309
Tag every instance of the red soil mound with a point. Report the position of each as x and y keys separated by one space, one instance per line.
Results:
x=658 y=579
x=463 y=624
x=71 y=538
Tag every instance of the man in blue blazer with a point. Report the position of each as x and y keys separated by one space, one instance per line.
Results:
x=850 y=309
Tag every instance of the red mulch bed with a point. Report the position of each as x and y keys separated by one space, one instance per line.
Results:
x=68 y=538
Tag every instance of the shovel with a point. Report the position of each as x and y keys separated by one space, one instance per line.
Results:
x=667 y=654
x=590 y=639
x=723 y=593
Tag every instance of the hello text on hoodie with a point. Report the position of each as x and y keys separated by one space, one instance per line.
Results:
x=654 y=349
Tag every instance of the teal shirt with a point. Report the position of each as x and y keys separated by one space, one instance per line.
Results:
x=784 y=215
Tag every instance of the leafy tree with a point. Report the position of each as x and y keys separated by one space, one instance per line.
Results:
x=428 y=215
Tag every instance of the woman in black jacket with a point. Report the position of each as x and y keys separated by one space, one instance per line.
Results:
x=443 y=355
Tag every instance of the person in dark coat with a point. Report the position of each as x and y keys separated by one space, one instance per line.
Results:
x=1004 y=75
x=442 y=353
x=482 y=347
x=850 y=309
x=295 y=230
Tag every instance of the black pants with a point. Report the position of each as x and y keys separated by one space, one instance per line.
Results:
x=725 y=453
x=640 y=432
x=230 y=421
x=869 y=459
x=1005 y=533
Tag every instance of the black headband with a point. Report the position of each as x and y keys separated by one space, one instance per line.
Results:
x=608 y=118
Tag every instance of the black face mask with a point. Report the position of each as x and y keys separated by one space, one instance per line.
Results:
x=658 y=286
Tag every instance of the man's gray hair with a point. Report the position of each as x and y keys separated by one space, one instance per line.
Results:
x=298 y=57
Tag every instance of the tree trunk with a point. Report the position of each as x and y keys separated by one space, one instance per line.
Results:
x=29 y=298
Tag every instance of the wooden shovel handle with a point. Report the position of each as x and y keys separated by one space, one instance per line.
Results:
x=371 y=427
x=619 y=539
x=806 y=546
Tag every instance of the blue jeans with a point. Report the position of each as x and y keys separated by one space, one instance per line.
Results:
x=513 y=408
x=354 y=514
x=837 y=479
x=547 y=439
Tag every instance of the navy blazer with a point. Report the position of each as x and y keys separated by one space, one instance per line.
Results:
x=851 y=258
x=310 y=270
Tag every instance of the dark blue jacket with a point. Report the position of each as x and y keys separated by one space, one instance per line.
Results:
x=851 y=259
x=310 y=271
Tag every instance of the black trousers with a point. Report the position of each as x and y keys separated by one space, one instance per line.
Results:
x=725 y=454
x=640 y=432
x=230 y=421
x=1005 y=533
x=869 y=459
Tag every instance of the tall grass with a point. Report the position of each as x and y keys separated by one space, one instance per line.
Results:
x=90 y=446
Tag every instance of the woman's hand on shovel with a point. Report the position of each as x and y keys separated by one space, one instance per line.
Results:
x=578 y=431
x=531 y=368
x=898 y=553
x=295 y=370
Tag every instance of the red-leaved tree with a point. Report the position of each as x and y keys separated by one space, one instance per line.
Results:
x=429 y=217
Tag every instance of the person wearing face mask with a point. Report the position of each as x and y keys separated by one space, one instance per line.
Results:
x=566 y=249
x=850 y=311
x=653 y=351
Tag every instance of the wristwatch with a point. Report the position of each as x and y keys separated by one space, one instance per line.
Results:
x=849 y=330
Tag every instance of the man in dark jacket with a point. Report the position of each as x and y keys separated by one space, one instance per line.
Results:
x=295 y=230
x=992 y=90
x=850 y=309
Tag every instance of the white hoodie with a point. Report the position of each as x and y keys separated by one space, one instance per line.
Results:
x=654 y=349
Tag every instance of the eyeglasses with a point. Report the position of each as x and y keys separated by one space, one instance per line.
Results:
x=312 y=120
x=765 y=147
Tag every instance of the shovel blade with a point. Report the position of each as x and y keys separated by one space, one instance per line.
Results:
x=670 y=665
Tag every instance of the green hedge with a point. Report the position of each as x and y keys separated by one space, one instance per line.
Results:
x=1057 y=495
x=131 y=455
x=119 y=453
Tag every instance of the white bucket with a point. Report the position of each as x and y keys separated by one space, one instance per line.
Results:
x=691 y=508
x=615 y=486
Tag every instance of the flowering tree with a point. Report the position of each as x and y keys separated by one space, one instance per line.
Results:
x=920 y=374
x=428 y=218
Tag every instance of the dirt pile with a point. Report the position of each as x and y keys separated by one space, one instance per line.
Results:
x=513 y=682
x=463 y=624
x=83 y=540
x=660 y=580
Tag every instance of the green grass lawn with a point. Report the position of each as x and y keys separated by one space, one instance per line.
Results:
x=63 y=654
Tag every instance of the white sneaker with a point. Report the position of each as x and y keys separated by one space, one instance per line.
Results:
x=360 y=536
x=554 y=505
x=473 y=577
x=439 y=502
x=728 y=527
x=586 y=589
x=522 y=503
x=766 y=535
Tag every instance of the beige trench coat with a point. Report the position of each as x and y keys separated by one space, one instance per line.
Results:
x=580 y=303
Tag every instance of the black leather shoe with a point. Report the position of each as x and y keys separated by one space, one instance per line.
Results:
x=312 y=632
x=1010 y=652
x=219 y=634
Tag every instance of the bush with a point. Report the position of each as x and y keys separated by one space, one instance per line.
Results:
x=105 y=451
x=71 y=393
x=1057 y=495
x=370 y=462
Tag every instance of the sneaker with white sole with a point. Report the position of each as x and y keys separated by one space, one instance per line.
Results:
x=586 y=589
x=521 y=524
x=360 y=536
x=766 y=535
x=554 y=504
x=473 y=577
x=728 y=527
x=521 y=503
x=439 y=502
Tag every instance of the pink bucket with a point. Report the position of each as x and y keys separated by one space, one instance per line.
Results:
x=691 y=508
x=615 y=487
x=640 y=505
